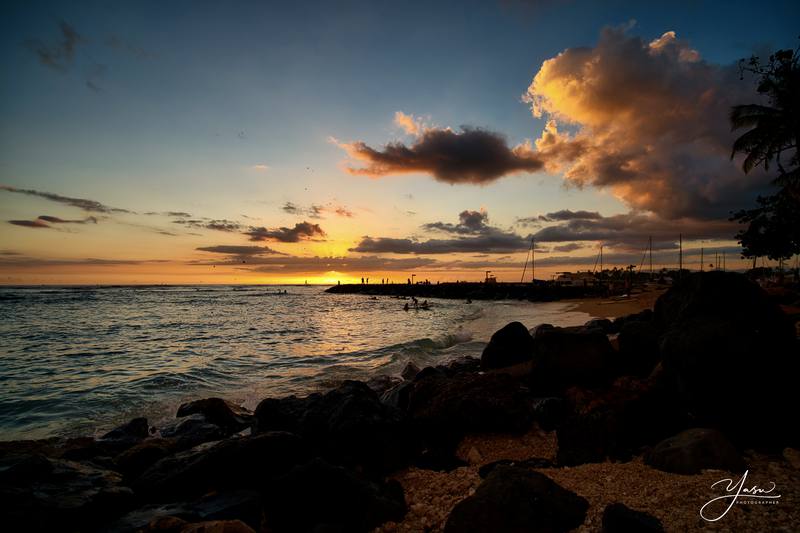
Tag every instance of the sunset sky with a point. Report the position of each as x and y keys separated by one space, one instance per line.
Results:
x=261 y=142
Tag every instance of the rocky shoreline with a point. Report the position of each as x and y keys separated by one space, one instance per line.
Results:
x=616 y=425
x=538 y=292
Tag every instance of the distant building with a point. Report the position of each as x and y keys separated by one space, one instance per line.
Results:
x=575 y=279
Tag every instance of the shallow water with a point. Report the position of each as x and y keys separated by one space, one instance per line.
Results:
x=77 y=360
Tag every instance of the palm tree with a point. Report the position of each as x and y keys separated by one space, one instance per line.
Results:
x=774 y=128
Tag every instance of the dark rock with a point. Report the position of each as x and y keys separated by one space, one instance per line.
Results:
x=410 y=371
x=318 y=496
x=397 y=396
x=517 y=499
x=39 y=493
x=135 y=430
x=234 y=463
x=382 y=383
x=348 y=425
x=693 y=450
x=464 y=365
x=603 y=324
x=138 y=458
x=173 y=524
x=549 y=412
x=228 y=416
x=638 y=348
x=541 y=328
x=564 y=358
x=617 y=422
x=531 y=463
x=618 y=518
x=191 y=431
x=509 y=346
x=442 y=410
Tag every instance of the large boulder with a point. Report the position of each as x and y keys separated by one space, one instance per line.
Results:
x=619 y=518
x=617 y=422
x=441 y=409
x=638 y=348
x=694 y=450
x=235 y=463
x=513 y=498
x=192 y=430
x=222 y=413
x=509 y=346
x=567 y=357
x=39 y=493
x=348 y=425
x=318 y=496
x=732 y=356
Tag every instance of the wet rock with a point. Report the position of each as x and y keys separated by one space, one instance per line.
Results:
x=694 y=450
x=39 y=493
x=638 y=348
x=512 y=498
x=509 y=346
x=192 y=430
x=564 y=358
x=135 y=430
x=348 y=425
x=234 y=463
x=541 y=328
x=442 y=410
x=463 y=365
x=228 y=416
x=173 y=524
x=410 y=371
x=382 y=383
x=320 y=497
x=618 y=518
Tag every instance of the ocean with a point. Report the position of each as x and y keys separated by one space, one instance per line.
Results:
x=79 y=360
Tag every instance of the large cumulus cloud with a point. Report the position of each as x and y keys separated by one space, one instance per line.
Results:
x=648 y=120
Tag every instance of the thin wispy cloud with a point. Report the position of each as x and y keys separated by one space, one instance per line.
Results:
x=91 y=206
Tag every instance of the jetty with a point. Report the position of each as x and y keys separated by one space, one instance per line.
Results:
x=538 y=292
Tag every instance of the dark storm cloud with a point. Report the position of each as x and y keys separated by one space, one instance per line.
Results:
x=472 y=155
x=238 y=250
x=59 y=55
x=300 y=231
x=80 y=203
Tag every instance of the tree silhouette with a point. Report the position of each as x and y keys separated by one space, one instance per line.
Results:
x=774 y=128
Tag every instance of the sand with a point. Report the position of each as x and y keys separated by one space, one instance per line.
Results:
x=615 y=307
x=672 y=498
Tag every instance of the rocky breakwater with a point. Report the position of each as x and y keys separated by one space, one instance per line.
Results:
x=645 y=385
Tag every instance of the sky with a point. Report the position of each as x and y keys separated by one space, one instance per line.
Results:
x=266 y=142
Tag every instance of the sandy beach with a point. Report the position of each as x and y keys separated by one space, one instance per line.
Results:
x=618 y=306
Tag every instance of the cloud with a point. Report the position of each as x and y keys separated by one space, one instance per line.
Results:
x=20 y=261
x=362 y=265
x=316 y=210
x=56 y=220
x=300 y=231
x=470 y=222
x=261 y=167
x=30 y=223
x=632 y=230
x=409 y=123
x=569 y=247
x=58 y=56
x=91 y=206
x=661 y=258
x=212 y=224
x=238 y=250
x=566 y=214
x=650 y=124
x=471 y=155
